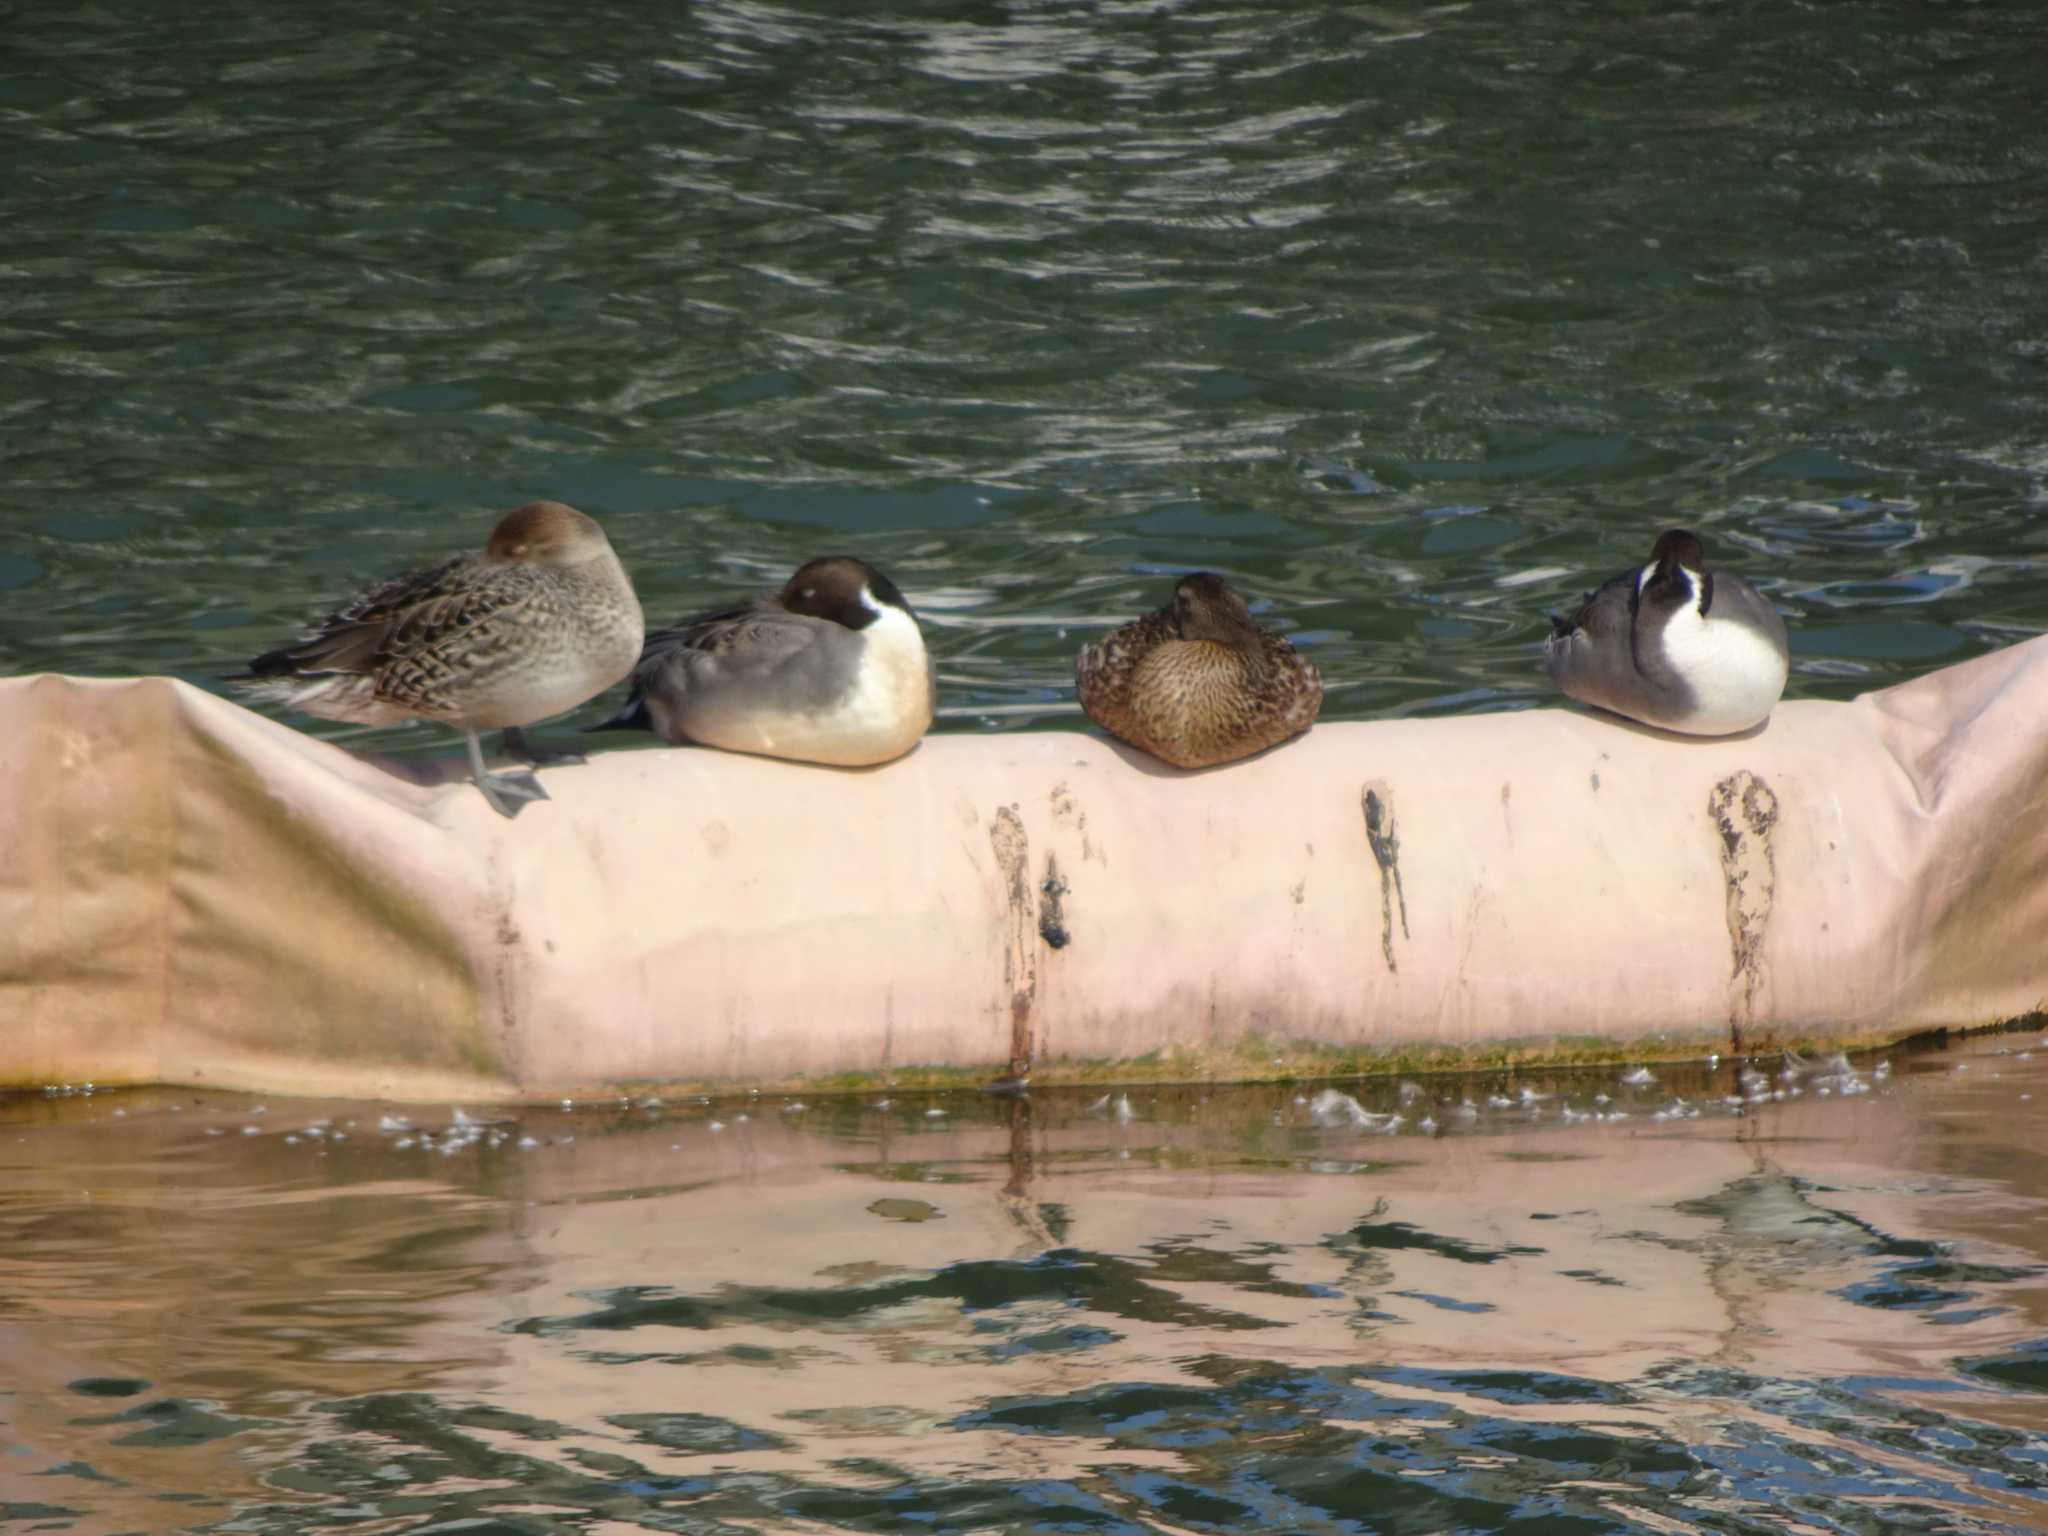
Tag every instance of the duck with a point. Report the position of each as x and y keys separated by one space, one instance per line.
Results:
x=1674 y=644
x=541 y=619
x=1198 y=682
x=831 y=669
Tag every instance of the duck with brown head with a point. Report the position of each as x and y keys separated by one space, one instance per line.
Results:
x=542 y=618
x=1199 y=681
x=1674 y=644
x=831 y=669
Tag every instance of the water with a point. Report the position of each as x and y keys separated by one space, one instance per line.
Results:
x=1795 y=1301
x=1412 y=320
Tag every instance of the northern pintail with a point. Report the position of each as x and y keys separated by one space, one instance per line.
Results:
x=1674 y=644
x=541 y=619
x=1198 y=682
x=832 y=669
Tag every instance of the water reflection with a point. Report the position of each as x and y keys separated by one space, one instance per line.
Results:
x=1766 y=1296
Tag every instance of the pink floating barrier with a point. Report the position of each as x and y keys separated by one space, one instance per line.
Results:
x=191 y=893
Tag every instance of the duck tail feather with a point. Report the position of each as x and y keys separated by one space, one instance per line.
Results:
x=633 y=717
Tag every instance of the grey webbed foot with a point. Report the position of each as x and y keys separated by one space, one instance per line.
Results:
x=516 y=745
x=505 y=792
x=508 y=793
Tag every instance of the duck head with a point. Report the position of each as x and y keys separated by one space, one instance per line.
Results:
x=1677 y=572
x=545 y=533
x=843 y=589
x=1206 y=607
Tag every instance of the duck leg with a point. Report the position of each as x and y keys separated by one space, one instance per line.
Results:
x=518 y=746
x=506 y=792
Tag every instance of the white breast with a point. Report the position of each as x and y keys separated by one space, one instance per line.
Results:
x=1736 y=675
x=894 y=693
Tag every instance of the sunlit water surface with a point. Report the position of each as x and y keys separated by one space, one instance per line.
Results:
x=1413 y=320
x=1762 y=1297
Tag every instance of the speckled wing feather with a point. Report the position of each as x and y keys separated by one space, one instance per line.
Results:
x=1103 y=670
x=408 y=636
x=438 y=648
x=1289 y=687
x=352 y=639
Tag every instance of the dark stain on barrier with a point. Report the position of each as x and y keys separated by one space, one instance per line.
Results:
x=1067 y=812
x=1012 y=849
x=1052 y=925
x=1063 y=807
x=1384 y=838
x=1743 y=811
x=508 y=973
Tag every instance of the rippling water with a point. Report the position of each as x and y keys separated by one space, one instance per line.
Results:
x=1414 y=320
x=1772 y=1297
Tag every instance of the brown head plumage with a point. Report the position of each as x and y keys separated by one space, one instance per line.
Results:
x=546 y=533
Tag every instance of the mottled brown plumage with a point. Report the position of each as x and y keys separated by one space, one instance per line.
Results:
x=1198 y=682
x=542 y=618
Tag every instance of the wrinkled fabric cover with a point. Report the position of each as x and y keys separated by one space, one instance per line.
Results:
x=191 y=893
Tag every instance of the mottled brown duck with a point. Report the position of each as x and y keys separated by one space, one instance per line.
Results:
x=1198 y=682
x=542 y=618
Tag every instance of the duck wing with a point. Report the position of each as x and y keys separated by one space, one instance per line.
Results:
x=392 y=621
x=1104 y=671
x=758 y=639
x=762 y=634
x=1607 y=612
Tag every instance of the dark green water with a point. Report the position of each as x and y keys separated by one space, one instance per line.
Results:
x=1752 y=1299
x=1412 y=320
